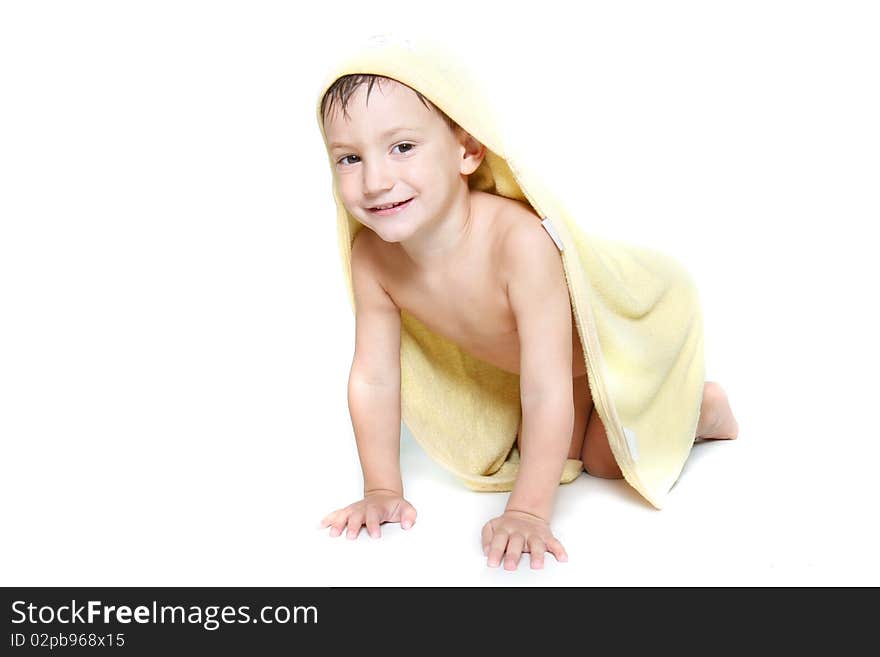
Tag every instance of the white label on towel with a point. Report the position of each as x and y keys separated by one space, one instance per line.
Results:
x=630 y=436
x=552 y=232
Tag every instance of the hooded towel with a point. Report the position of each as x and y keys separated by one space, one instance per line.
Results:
x=637 y=312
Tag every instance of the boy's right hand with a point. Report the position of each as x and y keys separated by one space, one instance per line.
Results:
x=377 y=507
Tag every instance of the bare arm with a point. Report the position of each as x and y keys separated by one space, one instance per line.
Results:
x=374 y=380
x=539 y=298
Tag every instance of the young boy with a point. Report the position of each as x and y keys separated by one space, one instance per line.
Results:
x=478 y=269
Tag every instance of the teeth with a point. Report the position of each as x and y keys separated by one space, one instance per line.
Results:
x=385 y=207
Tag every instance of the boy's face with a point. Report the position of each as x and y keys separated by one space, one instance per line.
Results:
x=422 y=160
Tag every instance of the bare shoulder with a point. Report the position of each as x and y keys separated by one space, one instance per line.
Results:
x=525 y=244
x=364 y=243
x=367 y=265
x=368 y=253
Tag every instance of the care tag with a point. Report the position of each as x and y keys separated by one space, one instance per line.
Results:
x=552 y=232
x=630 y=436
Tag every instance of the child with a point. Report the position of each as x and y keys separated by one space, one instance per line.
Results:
x=439 y=250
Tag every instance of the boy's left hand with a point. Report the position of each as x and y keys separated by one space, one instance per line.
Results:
x=515 y=532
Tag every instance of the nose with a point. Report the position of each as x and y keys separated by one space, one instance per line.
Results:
x=377 y=178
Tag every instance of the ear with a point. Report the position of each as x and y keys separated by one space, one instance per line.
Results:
x=472 y=152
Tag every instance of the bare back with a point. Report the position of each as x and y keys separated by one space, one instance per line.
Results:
x=469 y=305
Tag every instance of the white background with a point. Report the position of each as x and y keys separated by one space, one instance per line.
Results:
x=175 y=338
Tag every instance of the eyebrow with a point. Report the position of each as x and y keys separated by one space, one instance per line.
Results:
x=384 y=135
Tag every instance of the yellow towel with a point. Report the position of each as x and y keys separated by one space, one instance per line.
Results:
x=637 y=312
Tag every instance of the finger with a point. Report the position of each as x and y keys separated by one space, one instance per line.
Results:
x=408 y=517
x=486 y=537
x=355 y=520
x=372 y=522
x=537 y=550
x=556 y=548
x=514 y=551
x=496 y=549
x=337 y=525
x=330 y=518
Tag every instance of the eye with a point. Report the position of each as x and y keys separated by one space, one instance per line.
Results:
x=341 y=160
x=406 y=143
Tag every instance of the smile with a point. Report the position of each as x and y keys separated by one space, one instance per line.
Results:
x=392 y=210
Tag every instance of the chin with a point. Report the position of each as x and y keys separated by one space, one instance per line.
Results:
x=391 y=234
x=392 y=228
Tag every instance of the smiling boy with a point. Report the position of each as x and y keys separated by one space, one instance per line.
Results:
x=478 y=269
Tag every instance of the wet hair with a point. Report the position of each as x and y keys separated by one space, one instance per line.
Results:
x=343 y=88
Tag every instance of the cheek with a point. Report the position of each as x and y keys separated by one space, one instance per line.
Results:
x=425 y=176
x=348 y=190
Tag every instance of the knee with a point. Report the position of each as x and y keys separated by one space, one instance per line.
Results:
x=604 y=468
x=598 y=459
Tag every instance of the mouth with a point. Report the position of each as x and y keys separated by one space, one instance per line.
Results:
x=390 y=208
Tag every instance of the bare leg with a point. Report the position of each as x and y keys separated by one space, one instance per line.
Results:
x=716 y=423
x=598 y=459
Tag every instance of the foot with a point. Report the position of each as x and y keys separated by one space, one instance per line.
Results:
x=716 y=418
